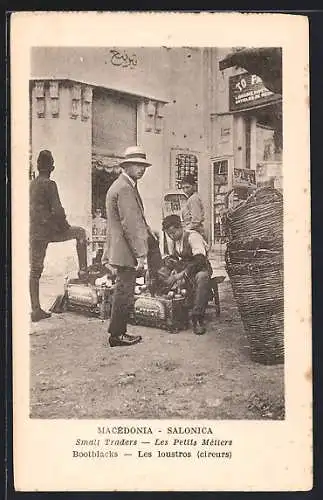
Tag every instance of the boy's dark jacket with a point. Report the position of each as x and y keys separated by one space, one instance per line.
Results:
x=47 y=216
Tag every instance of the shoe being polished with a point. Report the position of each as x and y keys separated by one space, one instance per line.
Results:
x=83 y=275
x=124 y=340
x=38 y=315
x=199 y=327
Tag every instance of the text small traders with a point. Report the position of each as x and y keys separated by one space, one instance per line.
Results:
x=128 y=240
x=191 y=249
x=48 y=224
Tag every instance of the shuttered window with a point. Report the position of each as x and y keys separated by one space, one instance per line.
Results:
x=114 y=122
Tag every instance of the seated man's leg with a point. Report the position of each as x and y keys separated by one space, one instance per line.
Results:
x=76 y=233
x=37 y=256
x=201 y=298
x=81 y=246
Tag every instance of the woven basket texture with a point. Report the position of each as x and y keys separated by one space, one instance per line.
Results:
x=254 y=262
x=253 y=258
x=265 y=332
x=260 y=216
x=256 y=285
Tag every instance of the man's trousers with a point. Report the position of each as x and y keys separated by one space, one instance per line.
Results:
x=123 y=300
x=201 y=294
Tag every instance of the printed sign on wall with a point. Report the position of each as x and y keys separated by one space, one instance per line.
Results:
x=247 y=90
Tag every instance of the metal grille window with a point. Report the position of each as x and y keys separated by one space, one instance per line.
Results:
x=186 y=163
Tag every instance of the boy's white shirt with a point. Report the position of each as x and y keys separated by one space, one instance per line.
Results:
x=197 y=242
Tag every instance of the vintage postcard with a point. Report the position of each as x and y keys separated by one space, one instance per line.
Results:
x=161 y=252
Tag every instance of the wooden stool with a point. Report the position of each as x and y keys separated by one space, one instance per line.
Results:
x=215 y=292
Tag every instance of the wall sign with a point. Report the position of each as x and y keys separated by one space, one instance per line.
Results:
x=225 y=131
x=123 y=59
x=244 y=177
x=220 y=172
x=247 y=90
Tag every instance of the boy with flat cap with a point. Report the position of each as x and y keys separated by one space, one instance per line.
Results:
x=191 y=249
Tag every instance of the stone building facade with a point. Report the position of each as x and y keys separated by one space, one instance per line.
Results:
x=88 y=104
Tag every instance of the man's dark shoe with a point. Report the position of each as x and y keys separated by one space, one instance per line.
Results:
x=38 y=315
x=198 y=326
x=124 y=340
x=130 y=337
x=199 y=329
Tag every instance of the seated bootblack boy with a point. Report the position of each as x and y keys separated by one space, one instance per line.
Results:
x=191 y=250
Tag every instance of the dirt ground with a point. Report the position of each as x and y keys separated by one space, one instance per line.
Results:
x=75 y=374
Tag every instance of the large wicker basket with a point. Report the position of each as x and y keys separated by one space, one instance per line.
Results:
x=254 y=262
x=258 y=291
x=260 y=216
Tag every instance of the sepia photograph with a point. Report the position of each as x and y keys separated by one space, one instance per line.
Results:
x=161 y=252
x=183 y=267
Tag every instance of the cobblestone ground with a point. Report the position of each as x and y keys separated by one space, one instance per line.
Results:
x=74 y=374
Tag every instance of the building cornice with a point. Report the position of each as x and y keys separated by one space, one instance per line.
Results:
x=124 y=91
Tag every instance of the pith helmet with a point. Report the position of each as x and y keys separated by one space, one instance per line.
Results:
x=135 y=154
